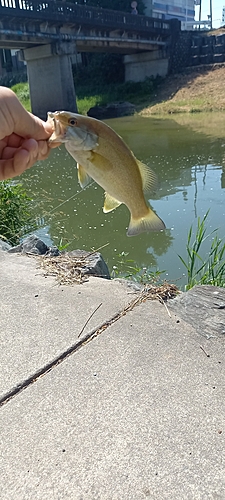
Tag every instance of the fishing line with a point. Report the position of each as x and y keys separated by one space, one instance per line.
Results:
x=68 y=199
x=42 y=224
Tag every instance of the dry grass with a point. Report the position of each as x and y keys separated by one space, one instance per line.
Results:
x=65 y=268
x=197 y=89
x=69 y=270
x=163 y=292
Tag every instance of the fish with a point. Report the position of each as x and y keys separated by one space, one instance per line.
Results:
x=103 y=156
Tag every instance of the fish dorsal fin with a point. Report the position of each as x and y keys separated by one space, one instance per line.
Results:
x=149 y=178
x=83 y=178
x=110 y=203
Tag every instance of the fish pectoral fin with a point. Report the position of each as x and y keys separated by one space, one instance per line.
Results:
x=148 y=176
x=151 y=222
x=110 y=203
x=83 y=178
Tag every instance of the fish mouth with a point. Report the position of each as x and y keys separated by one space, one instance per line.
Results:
x=59 y=131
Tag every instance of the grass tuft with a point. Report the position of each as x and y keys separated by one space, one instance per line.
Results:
x=15 y=212
x=199 y=271
x=23 y=94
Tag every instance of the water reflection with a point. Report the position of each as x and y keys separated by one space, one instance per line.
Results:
x=191 y=169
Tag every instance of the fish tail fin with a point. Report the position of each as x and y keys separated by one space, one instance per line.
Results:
x=151 y=222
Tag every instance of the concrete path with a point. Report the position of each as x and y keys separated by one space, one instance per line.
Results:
x=132 y=409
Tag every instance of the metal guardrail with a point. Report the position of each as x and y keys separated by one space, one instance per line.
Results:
x=71 y=13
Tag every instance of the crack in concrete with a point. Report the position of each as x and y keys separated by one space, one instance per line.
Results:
x=68 y=352
x=162 y=293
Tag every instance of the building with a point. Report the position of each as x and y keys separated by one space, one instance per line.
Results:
x=223 y=15
x=184 y=10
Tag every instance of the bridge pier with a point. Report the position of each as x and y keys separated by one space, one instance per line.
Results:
x=50 y=77
x=145 y=65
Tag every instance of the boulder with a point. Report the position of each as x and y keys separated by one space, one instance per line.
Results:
x=112 y=110
x=34 y=245
x=5 y=246
x=93 y=263
x=89 y=262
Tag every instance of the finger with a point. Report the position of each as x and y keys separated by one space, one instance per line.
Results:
x=3 y=145
x=28 y=125
x=14 y=118
x=22 y=158
x=8 y=153
x=13 y=140
x=36 y=151
x=39 y=150
x=53 y=145
x=14 y=166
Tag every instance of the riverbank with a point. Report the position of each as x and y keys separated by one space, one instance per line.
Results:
x=195 y=90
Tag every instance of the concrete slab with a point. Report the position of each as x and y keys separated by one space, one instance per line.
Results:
x=40 y=319
x=138 y=412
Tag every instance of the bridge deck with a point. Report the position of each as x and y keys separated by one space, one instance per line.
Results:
x=30 y=22
x=71 y=13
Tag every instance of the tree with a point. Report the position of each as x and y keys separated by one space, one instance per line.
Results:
x=122 y=5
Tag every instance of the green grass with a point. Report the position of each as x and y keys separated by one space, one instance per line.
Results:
x=85 y=103
x=22 y=92
x=209 y=270
x=127 y=268
x=16 y=217
x=135 y=92
x=91 y=95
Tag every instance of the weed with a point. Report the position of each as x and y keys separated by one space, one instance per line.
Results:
x=210 y=271
x=23 y=94
x=128 y=269
x=89 y=93
x=15 y=212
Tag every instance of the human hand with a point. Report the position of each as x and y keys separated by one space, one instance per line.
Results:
x=23 y=136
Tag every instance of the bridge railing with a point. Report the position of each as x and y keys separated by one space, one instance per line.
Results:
x=65 y=12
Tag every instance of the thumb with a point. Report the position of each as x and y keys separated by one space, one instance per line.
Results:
x=28 y=125
x=15 y=118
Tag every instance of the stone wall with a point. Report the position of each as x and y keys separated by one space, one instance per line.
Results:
x=180 y=51
x=188 y=48
x=208 y=49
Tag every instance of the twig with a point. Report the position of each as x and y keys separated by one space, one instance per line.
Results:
x=163 y=302
x=92 y=314
x=97 y=249
x=202 y=348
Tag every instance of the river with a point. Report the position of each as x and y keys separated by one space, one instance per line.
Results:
x=188 y=155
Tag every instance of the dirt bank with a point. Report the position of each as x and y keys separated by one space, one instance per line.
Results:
x=197 y=89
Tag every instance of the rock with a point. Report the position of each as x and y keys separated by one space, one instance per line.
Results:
x=203 y=308
x=93 y=263
x=32 y=244
x=4 y=246
x=53 y=252
x=112 y=110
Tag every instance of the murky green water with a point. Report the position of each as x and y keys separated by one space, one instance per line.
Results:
x=189 y=158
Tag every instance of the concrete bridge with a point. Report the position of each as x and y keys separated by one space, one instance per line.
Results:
x=50 y=33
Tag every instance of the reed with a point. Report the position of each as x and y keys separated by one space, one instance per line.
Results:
x=211 y=269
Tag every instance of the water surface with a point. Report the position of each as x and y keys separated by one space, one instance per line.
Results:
x=188 y=154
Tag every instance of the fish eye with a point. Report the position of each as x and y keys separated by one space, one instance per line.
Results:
x=72 y=122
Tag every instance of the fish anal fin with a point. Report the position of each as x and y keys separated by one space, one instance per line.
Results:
x=110 y=203
x=151 y=222
x=83 y=178
x=149 y=178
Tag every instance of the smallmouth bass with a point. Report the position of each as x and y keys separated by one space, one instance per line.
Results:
x=102 y=155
